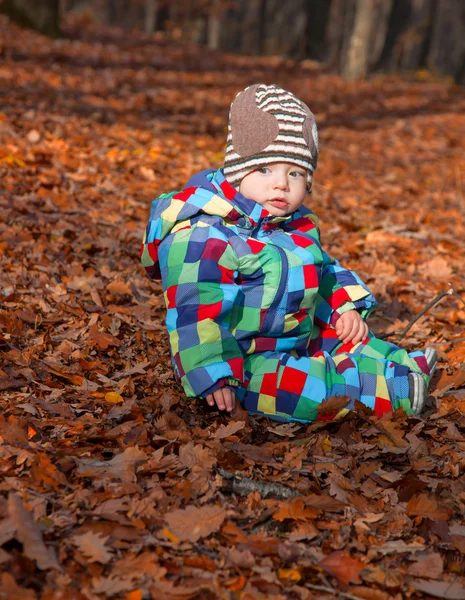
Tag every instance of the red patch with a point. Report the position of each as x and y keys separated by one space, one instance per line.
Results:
x=382 y=406
x=185 y=194
x=310 y=277
x=325 y=417
x=293 y=381
x=228 y=190
x=227 y=275
x=303 y=224
x=300 y=316
x=345 y=348
x=209 y=311
x=171 y=296
x=338 y=298
x=237 y=367
x=301 y=241
x=255 y=245
x=269 y=384
x=152 y=249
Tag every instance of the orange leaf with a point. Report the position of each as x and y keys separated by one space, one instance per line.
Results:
x=191 y=523
x=333 y=405
x=134 y=595
x=294 y=509
x=114 y=397
x=118 y=288
x=289 y=574
x=426 y=505
x=92 y=545
x=343 y=567
x=170 y=535
x=236 y=584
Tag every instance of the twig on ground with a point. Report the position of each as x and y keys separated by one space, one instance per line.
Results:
x=411 y=323
x=330 y=590
x=243 y=486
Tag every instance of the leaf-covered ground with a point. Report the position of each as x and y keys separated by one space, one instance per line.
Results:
x=113 y=484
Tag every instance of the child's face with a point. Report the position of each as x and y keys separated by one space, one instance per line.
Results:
x=279 y=187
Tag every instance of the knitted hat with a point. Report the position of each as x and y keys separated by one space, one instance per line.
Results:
x=266 y=125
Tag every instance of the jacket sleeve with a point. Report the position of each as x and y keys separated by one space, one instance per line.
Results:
x=198 y=267
x=341 y=290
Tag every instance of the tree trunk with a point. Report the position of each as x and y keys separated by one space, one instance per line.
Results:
x=340 y=26
x=316 y=46
x=447 y=50
x=40 y=15
x=214 y=26
x=150 y=16
x=357 y=58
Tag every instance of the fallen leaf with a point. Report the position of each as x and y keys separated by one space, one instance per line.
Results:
x=119 y=288
x=342 y=566
x=449 y=590
x=429 y=565
x=122 y=466
x=294 y=509
x=114 y=397
x=426 y=505
x=29 y=534
x=191 y=524
x=92 y=545
x=331 y=406
x=224 y=431
x=10 y=590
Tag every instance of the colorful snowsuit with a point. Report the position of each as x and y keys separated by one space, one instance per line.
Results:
x=252 y=300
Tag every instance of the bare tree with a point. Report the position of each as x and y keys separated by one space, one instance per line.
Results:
x=150 y=16
x=41 y=15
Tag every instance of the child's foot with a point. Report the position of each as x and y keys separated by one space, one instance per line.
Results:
x=417 y=392
x=432 y=359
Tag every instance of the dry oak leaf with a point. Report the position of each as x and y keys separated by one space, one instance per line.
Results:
x=426 y=505
x=343 y=567
x=296 y=510
x=333 y=405
x=112 y=585
x=450 y=590
x=231 y=428
x=122 y=466
x=10 y=590
x=102 y=339
x=192 y=588
x=92 y=545
x=118 y=288
x=429 y=565
x=368 y=593
x=391 y=433
x=190 y=455
x=29 y=534
x=191 y=523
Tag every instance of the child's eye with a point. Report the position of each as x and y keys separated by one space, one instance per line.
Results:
x=297 y=174
x=263 y=170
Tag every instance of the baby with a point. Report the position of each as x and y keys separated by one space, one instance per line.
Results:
x=256 y=309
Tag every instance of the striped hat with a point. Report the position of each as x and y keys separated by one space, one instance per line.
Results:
x=266 y=125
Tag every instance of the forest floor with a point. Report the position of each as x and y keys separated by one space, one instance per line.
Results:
x=112 y=483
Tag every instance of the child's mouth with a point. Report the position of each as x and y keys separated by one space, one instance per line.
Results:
x=279 y=203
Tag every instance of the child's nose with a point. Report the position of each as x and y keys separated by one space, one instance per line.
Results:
x=280 y=181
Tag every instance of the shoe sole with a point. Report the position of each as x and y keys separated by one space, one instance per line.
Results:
x=431 y=359
x=417 y=398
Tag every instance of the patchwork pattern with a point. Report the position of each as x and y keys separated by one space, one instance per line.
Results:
x=252 y=301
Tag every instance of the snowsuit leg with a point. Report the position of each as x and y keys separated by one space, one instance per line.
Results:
x=287 y=387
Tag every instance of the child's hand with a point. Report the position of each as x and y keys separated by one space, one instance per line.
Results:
x=224 y=398
x=350 y=327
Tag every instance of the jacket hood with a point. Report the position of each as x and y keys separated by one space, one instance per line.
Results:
x=206 y=193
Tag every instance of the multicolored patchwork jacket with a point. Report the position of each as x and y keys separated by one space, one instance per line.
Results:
x=238 y=280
